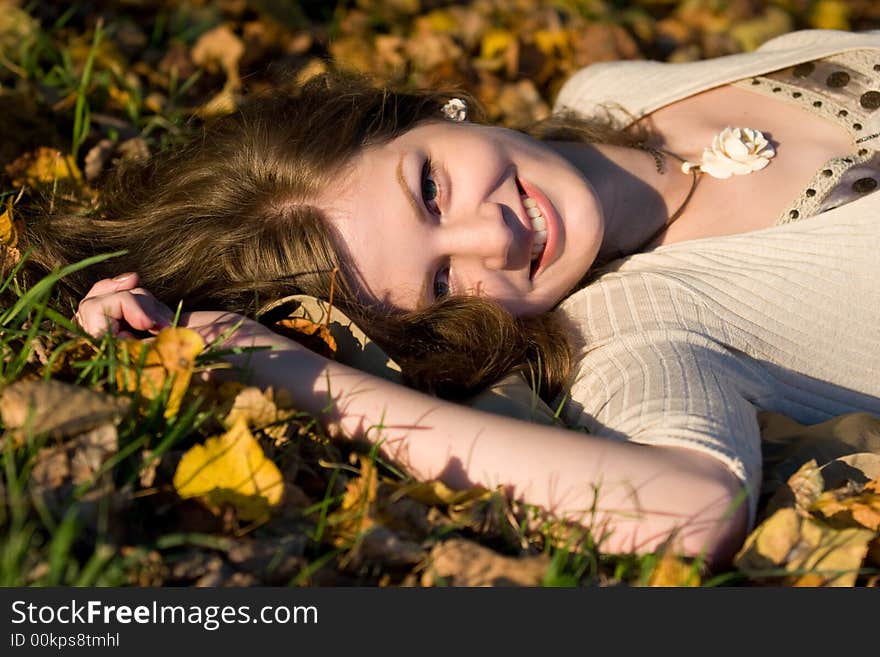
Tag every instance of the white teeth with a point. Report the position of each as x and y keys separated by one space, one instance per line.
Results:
x=539 y=226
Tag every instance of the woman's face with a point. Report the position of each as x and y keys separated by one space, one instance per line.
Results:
x=453 y=208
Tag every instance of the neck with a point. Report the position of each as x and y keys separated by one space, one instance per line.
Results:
x=635 y=198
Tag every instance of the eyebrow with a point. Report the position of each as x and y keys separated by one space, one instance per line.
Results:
x=417 y=208
x=427 y=282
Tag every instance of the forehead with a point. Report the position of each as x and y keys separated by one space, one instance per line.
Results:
x=379 y=232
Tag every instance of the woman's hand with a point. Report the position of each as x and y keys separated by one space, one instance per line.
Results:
x=118 y=304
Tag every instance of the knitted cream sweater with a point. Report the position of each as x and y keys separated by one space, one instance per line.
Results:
x=682 y=346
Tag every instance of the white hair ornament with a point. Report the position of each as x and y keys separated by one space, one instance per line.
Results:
x=455 y=110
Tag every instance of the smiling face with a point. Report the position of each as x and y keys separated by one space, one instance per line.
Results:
x=451 y=208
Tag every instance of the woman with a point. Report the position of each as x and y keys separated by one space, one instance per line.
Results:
x=763 y=297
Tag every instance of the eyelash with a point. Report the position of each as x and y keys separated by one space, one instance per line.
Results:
x=429 y=173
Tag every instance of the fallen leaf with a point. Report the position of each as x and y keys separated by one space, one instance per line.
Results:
x=89 y=451
x=355 y=513
x=43 y=166
x=830 y=15
x=673 y=571
x=828 y=556
x=853 y=509
x=231 y=469
x=220 y=49
x=316 y=337
x=770 y=543
x=11 y=226
x=260 y=412
x=461 y=562
x=171 y=355
x=436 y=493
x=56 y=408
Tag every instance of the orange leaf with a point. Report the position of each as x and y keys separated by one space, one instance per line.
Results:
x=316 y=337
x=862 y=509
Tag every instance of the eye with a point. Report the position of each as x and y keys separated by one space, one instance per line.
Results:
x=430 y=189
x=441 y=283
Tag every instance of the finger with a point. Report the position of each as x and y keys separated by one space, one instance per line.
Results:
x=94 y=313
x=153 y=307
x=95 y=326
x=124 y=281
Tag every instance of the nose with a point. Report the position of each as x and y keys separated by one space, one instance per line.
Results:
x=484 y=235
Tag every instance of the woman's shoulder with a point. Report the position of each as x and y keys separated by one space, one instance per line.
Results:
x=625 y=91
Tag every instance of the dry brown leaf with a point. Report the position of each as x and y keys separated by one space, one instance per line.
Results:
x=149 y=466
x=59 y=409
x=171 y=355
x=59 y=470
x=673 y=571
x=43 y=166
x=89 y=451
x=356 y=512
x=260 y=411
x=231 y=469
x=806 y=486
x=522 y=104
x=220 y=49
x=461 y=562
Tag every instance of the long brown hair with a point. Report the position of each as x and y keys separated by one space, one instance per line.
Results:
x=229 y=221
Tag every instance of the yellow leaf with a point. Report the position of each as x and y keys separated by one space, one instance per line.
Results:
x=830 y=15
x=441 y=20
x=771 y=542
x=41 y=167
x=552 y=42
x=673 y=571
x=10 y=226
x=827 y=556
x=171 y=355
x=436 y=493
x=495 y=42
x=231 y=469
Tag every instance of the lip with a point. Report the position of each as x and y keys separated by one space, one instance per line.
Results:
x=551 y=218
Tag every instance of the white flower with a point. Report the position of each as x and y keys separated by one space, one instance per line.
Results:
x=736 y=152
x=455 y=109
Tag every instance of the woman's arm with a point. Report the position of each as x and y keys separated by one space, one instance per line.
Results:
x=636 y=496
x=640 y=494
